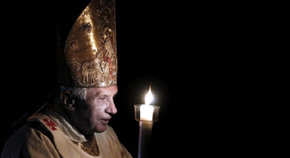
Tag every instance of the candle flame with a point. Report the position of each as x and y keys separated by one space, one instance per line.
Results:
x=146 y=111
x=149 y=97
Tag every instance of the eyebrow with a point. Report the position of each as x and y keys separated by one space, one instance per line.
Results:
x=99 y=93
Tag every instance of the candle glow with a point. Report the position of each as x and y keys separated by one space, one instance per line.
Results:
x=146 y=111
x=146 y=114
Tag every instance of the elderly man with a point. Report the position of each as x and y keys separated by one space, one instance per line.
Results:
x=74 y=124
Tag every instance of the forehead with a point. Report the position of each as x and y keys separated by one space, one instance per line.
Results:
x=111 y=90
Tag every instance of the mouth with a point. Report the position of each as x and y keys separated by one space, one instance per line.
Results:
x=105 y=121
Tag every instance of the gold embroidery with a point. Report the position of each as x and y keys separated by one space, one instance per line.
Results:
x=90 y=147
x=91 y=47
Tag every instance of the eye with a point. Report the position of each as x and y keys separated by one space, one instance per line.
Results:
x=103 y=98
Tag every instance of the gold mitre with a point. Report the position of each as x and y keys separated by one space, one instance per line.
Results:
x=91 y=51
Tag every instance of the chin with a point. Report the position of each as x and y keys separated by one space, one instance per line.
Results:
x=100 y=129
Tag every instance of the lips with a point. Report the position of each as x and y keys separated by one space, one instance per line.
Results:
x=104 y=121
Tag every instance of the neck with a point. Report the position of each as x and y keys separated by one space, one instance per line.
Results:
x=89 y=137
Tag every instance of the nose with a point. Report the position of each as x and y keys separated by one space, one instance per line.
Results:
x=111 y=109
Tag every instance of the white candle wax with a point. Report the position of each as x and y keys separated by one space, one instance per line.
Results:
x=146 y=112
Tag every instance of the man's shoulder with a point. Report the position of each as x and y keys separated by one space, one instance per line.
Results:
x=31 y=128
x=28 y=133
x=109 y=133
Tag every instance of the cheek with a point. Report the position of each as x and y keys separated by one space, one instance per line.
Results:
x=95 y=112
x=87 y=112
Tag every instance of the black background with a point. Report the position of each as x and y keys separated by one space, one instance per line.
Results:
x=196 y=57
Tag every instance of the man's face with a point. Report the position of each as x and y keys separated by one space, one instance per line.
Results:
x=95 y=113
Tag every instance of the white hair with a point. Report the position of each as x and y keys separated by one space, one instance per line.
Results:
x=79 y=93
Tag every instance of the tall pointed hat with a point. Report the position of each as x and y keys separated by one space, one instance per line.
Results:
x=90 y=49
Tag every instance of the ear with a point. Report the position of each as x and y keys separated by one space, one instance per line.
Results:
x=68 y=100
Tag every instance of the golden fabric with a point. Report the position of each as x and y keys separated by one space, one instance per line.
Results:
x=31 y=143
x=91 y=49
x=90 y=147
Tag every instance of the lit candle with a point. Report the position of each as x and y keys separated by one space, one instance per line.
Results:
x=146 y=111
x=146 y=114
